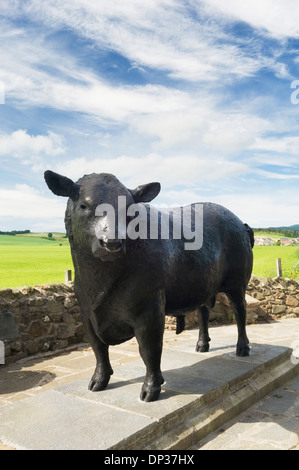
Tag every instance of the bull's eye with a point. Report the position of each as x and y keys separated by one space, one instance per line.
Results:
x=83 y=207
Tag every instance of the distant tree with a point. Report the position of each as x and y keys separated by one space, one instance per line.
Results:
x=50 y=235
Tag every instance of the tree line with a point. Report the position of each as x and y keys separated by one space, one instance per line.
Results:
x=15 y=232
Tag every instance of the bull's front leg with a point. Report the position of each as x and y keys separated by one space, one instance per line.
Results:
x=149 y=334
x=103 y=370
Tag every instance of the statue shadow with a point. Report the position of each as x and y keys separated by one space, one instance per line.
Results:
x=16 y=379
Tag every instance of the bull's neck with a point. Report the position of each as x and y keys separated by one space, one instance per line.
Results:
x=95 y=276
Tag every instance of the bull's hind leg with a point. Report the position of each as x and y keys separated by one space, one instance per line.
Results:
x=203 y=314
x=238 y=303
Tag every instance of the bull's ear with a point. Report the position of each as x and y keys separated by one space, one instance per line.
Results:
x=61 y=185
x=146 y=192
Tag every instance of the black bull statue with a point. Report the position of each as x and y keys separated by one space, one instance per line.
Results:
x=126 y=284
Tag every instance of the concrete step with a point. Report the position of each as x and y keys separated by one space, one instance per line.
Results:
x=270 y=424
x=225 y=403
x=201 y=392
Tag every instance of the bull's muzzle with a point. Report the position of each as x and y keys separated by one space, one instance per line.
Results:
x=111 y=245
x=104 y=248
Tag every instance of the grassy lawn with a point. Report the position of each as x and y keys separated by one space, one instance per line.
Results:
x=32 y=260
x=265 y=261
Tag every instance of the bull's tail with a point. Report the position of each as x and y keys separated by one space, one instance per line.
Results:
x=180 y=324
x=250 y=234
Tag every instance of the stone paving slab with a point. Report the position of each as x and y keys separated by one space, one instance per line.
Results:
x=55 y=421
x=124 y=395
x=201 y=392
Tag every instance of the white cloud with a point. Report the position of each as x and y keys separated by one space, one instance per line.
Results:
x=20 y=144
x=277 y=17
x=172 y=129
x=171 y=116
x=285 y=145
x=276 y=175
x=164 y=35
x=38 y=77
x=24 y=201
x=170 y=171
x=234 y=132
x=274 y=159
x=23 y=206
x=158 y=34
x=277 y=151
x=204 y=129
x=260 y=209
x=196 y=139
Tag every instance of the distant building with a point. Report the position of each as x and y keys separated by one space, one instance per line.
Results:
x=285 y=241
x=261 y=241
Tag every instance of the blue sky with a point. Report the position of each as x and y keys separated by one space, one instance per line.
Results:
x=194 y=94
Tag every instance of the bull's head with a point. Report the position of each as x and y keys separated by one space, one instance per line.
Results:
x=90 y=222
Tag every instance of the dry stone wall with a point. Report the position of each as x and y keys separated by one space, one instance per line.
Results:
x=266 y=300
x=277 y=296
x=39 y=319
x=47 y=318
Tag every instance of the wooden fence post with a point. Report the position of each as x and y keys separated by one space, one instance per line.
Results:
x=278 y=267
x=67 y=275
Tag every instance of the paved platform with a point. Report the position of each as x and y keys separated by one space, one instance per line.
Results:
x=45 y=404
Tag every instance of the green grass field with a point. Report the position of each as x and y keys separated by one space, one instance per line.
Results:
x=28 y=260
x=265 y=261
x=31 y=260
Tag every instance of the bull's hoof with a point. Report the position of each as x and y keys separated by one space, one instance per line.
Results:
x=96 y=386
x=150 y=391
x=242 y=350
x=150 y=395
x=99 y=380
x=200 y=347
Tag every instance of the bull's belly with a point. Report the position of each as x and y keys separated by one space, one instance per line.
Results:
x=180 y=304
x=181 y=309
x=115 y=333
x=182 y=298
